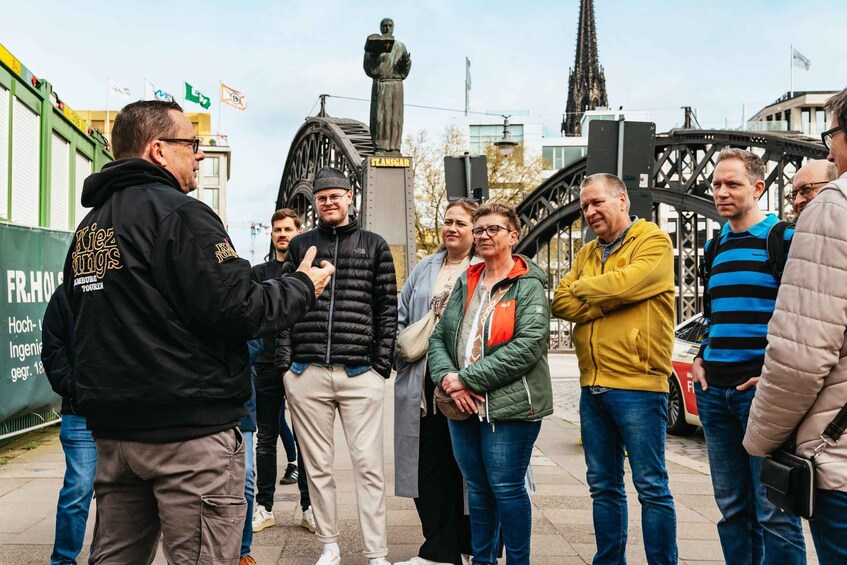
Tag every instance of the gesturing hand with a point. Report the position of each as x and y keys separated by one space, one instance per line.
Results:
x=319 y=275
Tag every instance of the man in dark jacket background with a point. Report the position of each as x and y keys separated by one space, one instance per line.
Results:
x=163 y=307
x=339 y=357
x=270 y=398
x=57 y=355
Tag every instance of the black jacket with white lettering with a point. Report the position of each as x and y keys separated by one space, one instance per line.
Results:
x=57 y=347
x=355 y=322
x=163 y=308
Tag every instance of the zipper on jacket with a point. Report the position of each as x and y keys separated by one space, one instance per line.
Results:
x=593 y=323
x=331 y=297
x=528 y=394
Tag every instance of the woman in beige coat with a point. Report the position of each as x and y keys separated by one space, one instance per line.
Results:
x=804 y=379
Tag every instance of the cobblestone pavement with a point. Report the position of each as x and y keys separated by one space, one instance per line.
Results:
x=565 y=373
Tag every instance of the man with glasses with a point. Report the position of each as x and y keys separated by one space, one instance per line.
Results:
x=163 y=308
x=338 y=358
x=804 y=374
x=620 y=296
x=808 y=180
x=835 y=138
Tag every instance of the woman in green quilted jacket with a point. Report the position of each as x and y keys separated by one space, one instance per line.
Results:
x=489 y=354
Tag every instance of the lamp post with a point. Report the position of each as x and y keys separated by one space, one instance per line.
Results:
x=506 y=145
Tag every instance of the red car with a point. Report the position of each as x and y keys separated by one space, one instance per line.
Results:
x=683 y=418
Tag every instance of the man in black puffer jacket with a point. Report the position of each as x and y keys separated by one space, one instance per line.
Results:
x=339 y=356
x=163 y=308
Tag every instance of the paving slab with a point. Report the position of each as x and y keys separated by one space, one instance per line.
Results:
x=563 y=531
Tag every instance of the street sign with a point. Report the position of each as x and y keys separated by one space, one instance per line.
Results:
x=466 y=176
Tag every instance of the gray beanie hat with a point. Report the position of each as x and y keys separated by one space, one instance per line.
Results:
x=330 y=177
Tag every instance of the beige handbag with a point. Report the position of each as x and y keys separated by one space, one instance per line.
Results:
x=413 y=341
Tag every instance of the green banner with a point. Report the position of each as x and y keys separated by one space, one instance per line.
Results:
x=31 y=261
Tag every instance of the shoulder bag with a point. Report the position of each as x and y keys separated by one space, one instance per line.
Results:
x=789 y=478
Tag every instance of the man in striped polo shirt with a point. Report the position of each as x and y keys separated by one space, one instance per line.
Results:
x=739 y=300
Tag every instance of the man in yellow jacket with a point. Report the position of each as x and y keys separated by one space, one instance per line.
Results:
x=620 y=295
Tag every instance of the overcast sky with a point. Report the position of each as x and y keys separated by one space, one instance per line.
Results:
x=657 y=56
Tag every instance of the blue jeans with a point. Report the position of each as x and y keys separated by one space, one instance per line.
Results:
x=249 y=483
x=637 y=420
x=829 y=527
x=751 y=529
x=75 y=496
x=494 y=459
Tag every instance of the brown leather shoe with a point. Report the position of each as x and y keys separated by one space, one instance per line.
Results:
x=247 y=560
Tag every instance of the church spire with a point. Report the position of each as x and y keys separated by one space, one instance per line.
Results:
x=586 y=83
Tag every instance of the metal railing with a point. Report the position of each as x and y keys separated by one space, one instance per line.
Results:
x=29 y=422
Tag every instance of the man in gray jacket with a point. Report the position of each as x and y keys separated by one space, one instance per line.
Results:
x=804 y=378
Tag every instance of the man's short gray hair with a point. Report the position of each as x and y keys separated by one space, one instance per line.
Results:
x=837 y=105
x=831 y=171
x=615 y=185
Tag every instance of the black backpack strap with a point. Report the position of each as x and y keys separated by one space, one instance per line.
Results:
x=709 y=254
x=777 y=248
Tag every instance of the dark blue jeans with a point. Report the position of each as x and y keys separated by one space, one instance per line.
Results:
x=637 y=420
x=751 y=529
x=75 y=496
x=286 y=436
x=494 y=459
x=249 y=484
x=829 y=527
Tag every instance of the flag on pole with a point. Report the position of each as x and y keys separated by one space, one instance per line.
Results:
x=799 y=60
x=118 y=90
x=468 y=72
x=233 y=97
x=194 y=95
x=154 y=93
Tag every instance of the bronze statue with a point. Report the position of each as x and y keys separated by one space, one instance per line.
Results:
x=387 y=62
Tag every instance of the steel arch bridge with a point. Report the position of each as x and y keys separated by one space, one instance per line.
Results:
x=550 y=214
x=684 y=163
x=323 y=141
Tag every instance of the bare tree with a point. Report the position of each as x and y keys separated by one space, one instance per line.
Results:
x=510 y=179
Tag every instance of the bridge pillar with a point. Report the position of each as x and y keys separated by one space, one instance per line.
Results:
x=388 y=207
x=687 y=262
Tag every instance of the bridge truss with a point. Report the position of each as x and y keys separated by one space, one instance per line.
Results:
x=682 y=203
x=323 y=141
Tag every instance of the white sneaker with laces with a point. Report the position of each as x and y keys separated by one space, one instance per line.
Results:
x=329 y=559
x=417 y=560
x=308 y=520
x=262 y=519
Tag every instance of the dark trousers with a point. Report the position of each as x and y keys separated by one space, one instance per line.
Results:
x=440 y=503
x=270 y=396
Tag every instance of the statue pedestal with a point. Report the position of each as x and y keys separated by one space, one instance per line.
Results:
x=388 y=208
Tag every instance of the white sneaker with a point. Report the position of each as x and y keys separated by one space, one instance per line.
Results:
x=329 y=559
x=308 y=520
x=379 y=561
x=417 y=560
x=262 y=519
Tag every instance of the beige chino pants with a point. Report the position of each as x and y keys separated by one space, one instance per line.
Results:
x=313 y=398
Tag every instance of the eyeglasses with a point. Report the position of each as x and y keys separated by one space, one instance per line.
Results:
x=491 y=231
x=195 y=143
x=806 y=191
x=331 y=199
x=826 y=136
x=463 y=199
